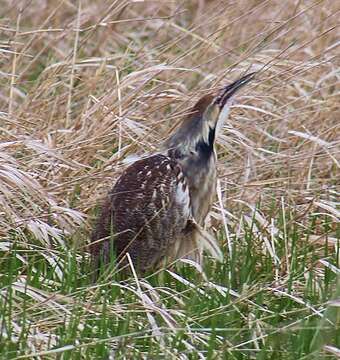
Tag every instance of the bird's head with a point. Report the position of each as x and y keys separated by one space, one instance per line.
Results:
x=198 y=131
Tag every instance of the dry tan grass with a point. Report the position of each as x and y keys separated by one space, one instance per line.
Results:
x=83 y=87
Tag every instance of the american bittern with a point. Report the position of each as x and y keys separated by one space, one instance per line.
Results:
x=157 y=208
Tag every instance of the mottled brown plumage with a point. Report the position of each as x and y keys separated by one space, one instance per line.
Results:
x=157 y=208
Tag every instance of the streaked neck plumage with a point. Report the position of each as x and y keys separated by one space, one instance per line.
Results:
x=192 y=145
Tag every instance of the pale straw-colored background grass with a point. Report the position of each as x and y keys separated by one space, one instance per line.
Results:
x=85 y=85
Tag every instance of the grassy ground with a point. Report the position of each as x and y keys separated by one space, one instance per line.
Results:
x=86 y=85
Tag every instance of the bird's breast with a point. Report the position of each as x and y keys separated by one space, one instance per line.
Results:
x=201 y=178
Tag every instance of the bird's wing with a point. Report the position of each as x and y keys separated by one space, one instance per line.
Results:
x=150 y=209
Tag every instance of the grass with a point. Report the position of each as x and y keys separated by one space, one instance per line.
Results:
x=83 y=87
x=249 y=306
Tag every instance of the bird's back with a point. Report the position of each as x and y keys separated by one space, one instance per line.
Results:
x=146 y=212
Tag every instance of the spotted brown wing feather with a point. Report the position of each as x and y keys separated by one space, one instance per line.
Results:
x=145 y=214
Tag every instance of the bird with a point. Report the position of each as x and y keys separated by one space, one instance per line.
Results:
x=155 y=213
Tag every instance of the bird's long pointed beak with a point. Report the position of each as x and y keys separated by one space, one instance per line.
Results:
x=228 y=91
